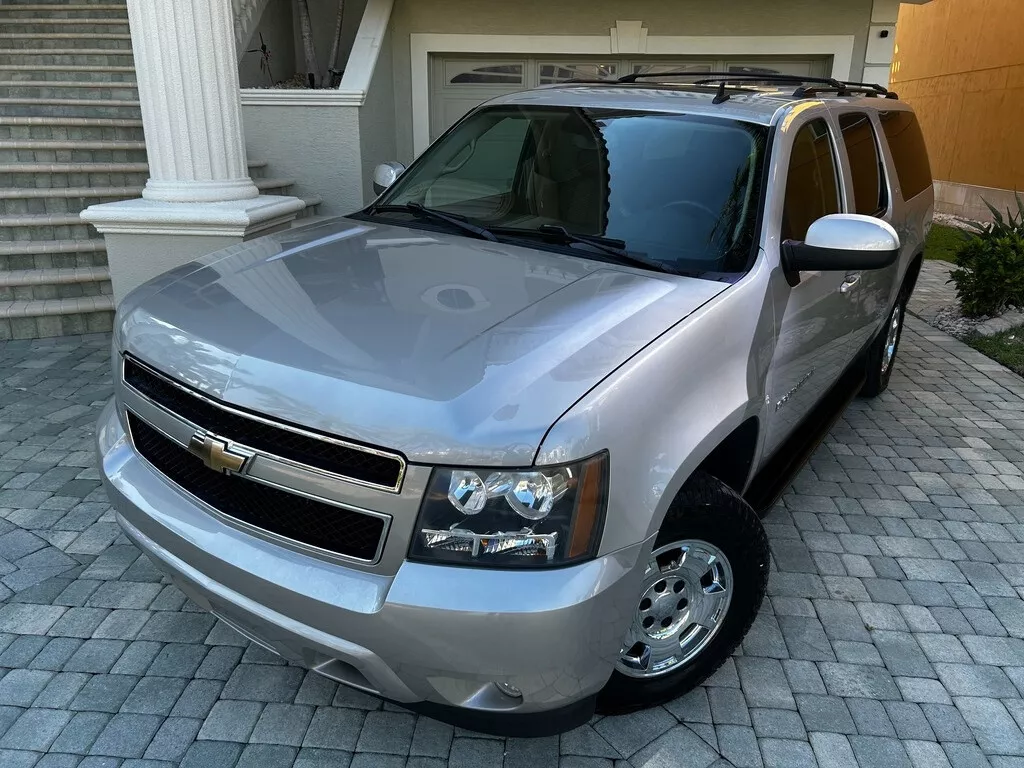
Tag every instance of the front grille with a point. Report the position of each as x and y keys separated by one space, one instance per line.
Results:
x=348 y=461
x=315 y=523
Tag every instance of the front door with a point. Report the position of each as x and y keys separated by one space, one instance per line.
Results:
x=818 y=324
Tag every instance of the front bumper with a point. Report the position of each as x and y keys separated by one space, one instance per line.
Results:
x=429 y=637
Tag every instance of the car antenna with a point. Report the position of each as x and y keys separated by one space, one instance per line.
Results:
x=721 y=96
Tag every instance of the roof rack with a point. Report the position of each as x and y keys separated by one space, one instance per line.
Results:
x=806 y=86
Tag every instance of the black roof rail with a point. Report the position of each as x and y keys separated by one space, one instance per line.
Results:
x=806 y=86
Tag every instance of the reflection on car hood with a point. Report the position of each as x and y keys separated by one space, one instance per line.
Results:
x=445 y=348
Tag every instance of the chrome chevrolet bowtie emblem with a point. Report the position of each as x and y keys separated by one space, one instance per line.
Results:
x=216 y=454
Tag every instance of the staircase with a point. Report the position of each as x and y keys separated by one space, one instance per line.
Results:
x=70 y=136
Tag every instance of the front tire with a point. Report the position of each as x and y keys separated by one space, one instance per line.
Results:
x=701 y=591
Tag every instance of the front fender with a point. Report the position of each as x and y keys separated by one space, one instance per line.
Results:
x=661 y=414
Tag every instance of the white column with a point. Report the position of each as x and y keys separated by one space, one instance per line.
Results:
x=187 y=71
x=199 y=197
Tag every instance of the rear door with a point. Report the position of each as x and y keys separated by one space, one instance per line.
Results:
x=816 y=329
x=868 y=193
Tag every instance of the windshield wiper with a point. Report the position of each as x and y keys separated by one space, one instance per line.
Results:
x=432 y=213
x=608 y=245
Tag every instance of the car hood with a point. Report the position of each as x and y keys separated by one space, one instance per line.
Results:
x=448 y=349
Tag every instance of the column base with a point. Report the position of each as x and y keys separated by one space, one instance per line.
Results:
x=148 y=237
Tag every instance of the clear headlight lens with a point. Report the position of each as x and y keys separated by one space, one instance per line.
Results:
x=543 y=516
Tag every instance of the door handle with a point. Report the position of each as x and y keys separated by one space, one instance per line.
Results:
x=849 y=283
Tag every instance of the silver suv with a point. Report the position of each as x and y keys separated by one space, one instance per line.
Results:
x=496 y=447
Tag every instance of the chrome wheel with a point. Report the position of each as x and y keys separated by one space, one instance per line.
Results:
x=893 y=336
x=684 y=598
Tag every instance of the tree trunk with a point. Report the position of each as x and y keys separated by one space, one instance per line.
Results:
x=308 y=47
x=332 y=60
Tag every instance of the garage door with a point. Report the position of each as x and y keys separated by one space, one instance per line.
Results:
x=460 y=83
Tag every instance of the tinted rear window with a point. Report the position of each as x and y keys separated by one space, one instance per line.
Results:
x=908 y=152
x=869 y=192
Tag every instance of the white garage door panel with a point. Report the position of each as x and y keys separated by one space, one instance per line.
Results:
x=459 y=83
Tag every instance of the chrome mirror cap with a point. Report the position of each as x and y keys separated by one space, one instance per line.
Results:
x=385 y=174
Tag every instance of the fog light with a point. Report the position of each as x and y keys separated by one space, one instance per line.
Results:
x=509 y=690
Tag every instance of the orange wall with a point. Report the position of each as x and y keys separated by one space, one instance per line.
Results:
x=960 y=63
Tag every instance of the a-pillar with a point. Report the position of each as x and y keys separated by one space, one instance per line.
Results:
x=199 y=196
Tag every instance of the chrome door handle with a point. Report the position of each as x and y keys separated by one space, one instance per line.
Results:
x=849 y=283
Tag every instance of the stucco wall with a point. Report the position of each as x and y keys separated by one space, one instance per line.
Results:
x=317 y=146
x=377 y=118
x=960 y=63
x=661 y=17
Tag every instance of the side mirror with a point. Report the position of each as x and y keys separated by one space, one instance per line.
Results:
x=385 y=174
x=843 y=241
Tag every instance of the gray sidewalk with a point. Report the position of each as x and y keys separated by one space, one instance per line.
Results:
x=892 y=635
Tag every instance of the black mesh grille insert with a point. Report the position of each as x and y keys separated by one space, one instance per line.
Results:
x=295 y=517
x=367 y=467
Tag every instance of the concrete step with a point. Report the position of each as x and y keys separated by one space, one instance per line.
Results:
x=58 y=283
x=58 y=41
x=63 y=11
x=47 y=107
x=66 y=58
x=59 y=4
x=45 y=24
x=45 y=226
x=71 y=151
x=56 y=317
x=69 y=89
x=59 y=128
x=312 y=204
x=48 y=73
x=31 y=200
x=35 y=255
x=52 y=254
x=87 y=174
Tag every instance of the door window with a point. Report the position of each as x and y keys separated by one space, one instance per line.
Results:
x=908 y=152
x=812 y=188
x=870 y=196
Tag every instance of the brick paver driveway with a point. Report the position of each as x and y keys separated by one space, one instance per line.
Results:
x=892 y=636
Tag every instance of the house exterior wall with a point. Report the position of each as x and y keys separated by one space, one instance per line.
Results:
x=960 y=63
x=377 y=118
x=317 y=145
x=660 y=17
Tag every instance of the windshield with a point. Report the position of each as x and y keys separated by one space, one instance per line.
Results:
x=679 y=189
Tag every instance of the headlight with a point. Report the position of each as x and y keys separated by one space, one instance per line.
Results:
x=543 y=516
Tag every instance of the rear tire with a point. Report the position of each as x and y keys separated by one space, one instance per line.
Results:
x=881 y=355
x=712 y=526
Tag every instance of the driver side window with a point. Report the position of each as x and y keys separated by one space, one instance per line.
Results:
x=812 y=185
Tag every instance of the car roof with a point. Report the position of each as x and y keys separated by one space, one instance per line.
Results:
x=763 y=105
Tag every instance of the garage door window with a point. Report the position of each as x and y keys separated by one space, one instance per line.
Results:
x=563 y=72
x=460 y=73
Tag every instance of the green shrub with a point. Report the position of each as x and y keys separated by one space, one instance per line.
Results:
x=989 y=277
